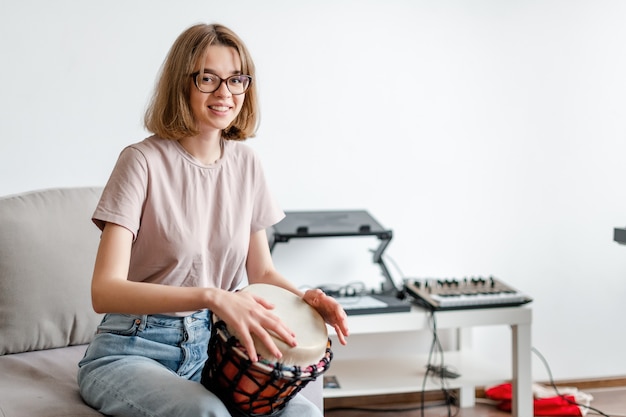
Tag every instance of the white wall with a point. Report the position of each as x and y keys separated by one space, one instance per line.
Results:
x=489 y=135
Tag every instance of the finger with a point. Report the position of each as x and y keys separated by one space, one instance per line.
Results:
x=345 y=332
x=248 y=344
x=262 y=301
x=340 y=324
x=272 y=324
x=265 y=338
x=284 y=333
x=340 y=335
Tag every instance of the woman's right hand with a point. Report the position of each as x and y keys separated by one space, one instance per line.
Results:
x=247 y=314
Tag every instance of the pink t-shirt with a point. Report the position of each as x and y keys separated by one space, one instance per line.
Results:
x=191 y=222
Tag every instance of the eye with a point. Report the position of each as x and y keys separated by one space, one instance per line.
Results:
x=236 y=80
x=208 y=79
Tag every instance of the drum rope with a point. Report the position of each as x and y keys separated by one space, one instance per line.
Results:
x=255 y=388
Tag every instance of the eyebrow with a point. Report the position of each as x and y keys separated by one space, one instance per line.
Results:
x=210 y=71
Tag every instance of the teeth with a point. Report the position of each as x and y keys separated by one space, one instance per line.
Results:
x=219 y=108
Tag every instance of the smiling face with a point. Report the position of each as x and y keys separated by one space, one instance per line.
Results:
x=215 y=111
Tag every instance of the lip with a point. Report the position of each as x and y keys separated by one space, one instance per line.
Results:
x=220 y=108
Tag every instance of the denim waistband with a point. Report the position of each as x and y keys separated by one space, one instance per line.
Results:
x=175 y=321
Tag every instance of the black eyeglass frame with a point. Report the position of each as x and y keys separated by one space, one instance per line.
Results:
x=195 y=82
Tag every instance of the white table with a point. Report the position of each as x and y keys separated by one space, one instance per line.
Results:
x=386 y=375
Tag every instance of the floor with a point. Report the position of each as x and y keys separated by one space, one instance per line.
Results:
x=610 y=401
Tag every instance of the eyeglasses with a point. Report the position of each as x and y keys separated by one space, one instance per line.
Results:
x=208 y=83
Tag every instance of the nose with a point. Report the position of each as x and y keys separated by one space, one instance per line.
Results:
x=222 y=90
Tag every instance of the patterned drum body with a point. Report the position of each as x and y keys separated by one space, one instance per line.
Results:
x=265 y=387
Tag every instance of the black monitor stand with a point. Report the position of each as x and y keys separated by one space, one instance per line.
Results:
x=310 y=224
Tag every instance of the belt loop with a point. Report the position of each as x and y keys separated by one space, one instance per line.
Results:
x=141 y=322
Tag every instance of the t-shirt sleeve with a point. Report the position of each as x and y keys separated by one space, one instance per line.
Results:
x=266 y=211
x=124 y=194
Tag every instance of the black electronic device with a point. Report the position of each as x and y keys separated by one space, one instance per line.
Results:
x=466 y=293
x=619 y=235
x=311 y=224
x=373 y=304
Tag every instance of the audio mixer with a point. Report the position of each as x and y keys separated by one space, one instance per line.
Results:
x=473 y=292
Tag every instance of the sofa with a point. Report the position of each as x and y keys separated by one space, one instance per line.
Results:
x=47 y=250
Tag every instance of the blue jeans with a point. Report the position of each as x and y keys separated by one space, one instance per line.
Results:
x=150 y=365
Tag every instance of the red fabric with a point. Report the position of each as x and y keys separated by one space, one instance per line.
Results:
x=552 y=406
x=500 y=392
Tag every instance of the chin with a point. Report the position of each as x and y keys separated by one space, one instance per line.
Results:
x=215 y=126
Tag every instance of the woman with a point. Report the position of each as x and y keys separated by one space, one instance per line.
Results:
x=183 y=219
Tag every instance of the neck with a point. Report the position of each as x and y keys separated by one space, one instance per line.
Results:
x=207 y=150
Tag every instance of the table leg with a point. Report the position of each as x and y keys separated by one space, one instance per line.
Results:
x=467 y=396
x=522 y=375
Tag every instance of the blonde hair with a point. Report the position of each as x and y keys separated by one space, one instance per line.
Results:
x=169 y=114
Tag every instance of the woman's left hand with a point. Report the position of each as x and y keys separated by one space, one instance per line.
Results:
x=330 y=310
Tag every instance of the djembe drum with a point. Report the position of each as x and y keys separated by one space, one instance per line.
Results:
x=266 y=386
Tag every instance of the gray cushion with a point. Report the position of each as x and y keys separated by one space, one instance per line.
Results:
x=47 y=250
x=42 y=384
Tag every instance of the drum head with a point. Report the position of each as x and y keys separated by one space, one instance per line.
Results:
x=307 y=324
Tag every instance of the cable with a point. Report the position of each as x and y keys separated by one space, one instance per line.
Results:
x=556 y=390
x=430 y=367
x=386 y=256
x=393 y=262
x=351 y=289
